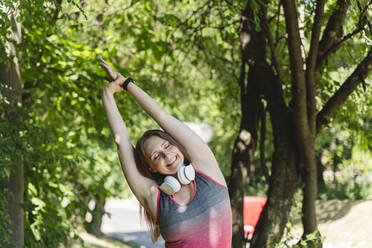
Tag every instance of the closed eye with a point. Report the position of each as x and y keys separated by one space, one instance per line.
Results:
x=156 y=156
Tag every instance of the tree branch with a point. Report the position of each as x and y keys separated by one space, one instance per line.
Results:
x=311 y=63
x=297 y=72
x=56 y=12
x=277 y=23
x=332 y=31
x=339 y=98
x=364 y=10
x=335 y=46
x=338 y=44
x=294 y=46
x=274 y=54
x=314 y=45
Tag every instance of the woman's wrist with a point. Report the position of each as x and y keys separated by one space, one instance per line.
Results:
x=106 y=89
x=127 y=81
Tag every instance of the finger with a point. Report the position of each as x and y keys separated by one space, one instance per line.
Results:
x=106 y=67
x=105 y=63
x=120 y=81
x=102 y=60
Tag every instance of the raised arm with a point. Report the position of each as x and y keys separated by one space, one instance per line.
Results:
x=141 y=186
x=200 y=154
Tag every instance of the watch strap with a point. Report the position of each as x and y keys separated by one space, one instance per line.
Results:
x=126 y=82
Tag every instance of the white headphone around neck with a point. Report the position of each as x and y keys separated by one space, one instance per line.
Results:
x=170 y=185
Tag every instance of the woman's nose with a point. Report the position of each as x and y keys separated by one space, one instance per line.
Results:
x=167 y=156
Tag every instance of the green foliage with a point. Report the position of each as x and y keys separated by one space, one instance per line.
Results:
x=45 y=131
x=69 y=155
x=353 y=180
x=23 y=139
x=5 y=232
x=309 y=241
x=347 y=162
x=291 y=238
x=186 y=54
x=12 y=147
x=348 y=190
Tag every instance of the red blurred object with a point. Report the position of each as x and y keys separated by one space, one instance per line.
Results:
x=252 y=208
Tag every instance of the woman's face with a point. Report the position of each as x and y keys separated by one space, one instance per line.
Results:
x=162 y=156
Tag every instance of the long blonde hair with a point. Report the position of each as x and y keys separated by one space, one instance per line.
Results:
x=143 y=168
x=151 y=223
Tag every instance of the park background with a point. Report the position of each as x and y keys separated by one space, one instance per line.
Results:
x=283 y=85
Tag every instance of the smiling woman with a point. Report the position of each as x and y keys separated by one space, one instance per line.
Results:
x=156 y=149
x=173 y=174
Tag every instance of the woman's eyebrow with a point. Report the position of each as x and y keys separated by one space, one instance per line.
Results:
x=162 y=145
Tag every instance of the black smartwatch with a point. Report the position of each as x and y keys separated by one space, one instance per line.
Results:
x=126 y=82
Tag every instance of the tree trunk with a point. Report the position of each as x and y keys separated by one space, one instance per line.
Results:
x=10 y=74
x=295 y=126
x=245 y=143
x=241 y=160
x=303 y=96
x=94 y=227
x=309 y=220
x=284 y=173
x=283 y=181
x=243 y=153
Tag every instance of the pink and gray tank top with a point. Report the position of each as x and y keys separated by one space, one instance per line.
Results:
x=203 y=222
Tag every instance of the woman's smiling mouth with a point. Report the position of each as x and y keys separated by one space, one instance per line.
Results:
x=173 y=162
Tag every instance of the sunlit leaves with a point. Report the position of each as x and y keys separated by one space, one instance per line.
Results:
x=186 y=54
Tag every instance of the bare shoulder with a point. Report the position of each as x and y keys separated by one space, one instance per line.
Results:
x=212 y=171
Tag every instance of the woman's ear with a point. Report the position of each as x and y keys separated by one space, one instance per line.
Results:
x=152 y=170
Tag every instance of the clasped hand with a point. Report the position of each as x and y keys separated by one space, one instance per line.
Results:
x=115 y=78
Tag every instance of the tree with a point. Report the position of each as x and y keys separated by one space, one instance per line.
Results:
x=40 y=128
x=69 y=156
x=272 y=78
x=296 y=124
x=10 y=75
x=187 y=54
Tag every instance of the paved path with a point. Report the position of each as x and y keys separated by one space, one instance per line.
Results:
x=125 y=223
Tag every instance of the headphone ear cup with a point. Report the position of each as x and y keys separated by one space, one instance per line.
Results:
x=181 y=176
x=189 y=172
x=170 y=185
